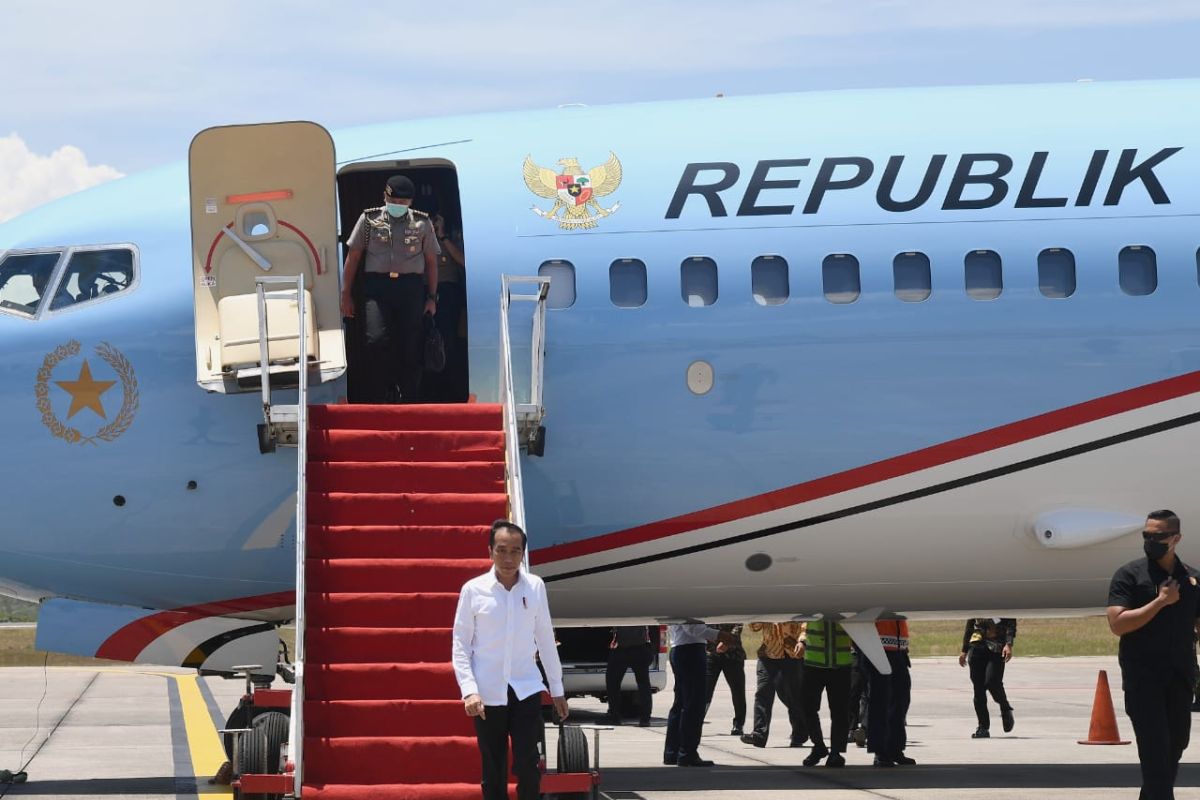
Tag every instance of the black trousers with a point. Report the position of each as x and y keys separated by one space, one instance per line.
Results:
x=392 y=312
x=521 y=720
x=637 y=659
x=734 y=670
x=449 y=385
x=857 y=711
x=835 y=683
x=987 y=675
x=778 y=676
x=685 y=723
x=887 y=709
x=1161 y=713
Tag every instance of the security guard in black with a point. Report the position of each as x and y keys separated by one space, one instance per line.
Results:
x=1153 y=604
x=399 y=251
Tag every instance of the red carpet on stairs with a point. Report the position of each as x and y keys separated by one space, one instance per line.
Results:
x=400 y=500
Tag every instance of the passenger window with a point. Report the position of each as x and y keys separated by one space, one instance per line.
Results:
x=839 y=275
x=24 y=280
x=1056 y=272
x=983 y=274
x=769 y=280
x=698 y=281
x=1138 y=269
x=627 y=283
x=562 y=283
x=910 y=276
x=94 y=274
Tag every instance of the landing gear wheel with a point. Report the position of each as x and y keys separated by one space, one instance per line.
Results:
x=572 y=756
x=274 y=725
x=252 y=760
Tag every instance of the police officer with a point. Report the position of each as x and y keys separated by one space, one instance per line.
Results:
x=399 y=287
x=1153 y=603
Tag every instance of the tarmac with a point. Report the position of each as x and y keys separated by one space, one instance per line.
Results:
x=147 y=733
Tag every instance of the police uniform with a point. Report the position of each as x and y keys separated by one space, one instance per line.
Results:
x=394 y=292
x=1158 y=669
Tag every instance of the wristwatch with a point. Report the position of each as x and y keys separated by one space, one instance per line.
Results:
x=432 y=297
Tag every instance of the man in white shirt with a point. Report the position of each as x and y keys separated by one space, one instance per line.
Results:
x=685 y=722
x=503 y=618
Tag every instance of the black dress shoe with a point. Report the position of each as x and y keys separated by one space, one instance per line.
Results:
x=797 y=742
x=750 y=738
x=736 y=732
x=903 y=760
x=815 y=757
x=981 y=733
x=643 y=723
x=670 y=759
x=1007 y=718
x=836 y=760
x=693 y=761
x=880 y=761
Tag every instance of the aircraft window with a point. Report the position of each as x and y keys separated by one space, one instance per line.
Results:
x=983 y=274
x=1138 y=270
x=1056 y=272
x=839 y=275
x=627 y=283
x=256 y=224
x=698 y=281
x=910 y=276
x=769 y=280
x=24 y=278
x=562 y=283
x=92 y=274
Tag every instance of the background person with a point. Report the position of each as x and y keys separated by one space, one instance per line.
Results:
x=502 y=620
x=987 y=646
x=889 y=696
x=1153 y=603
x=630 y=649
x=778 y=673
x=825 y=649
x=730 y=661
x=685 y=723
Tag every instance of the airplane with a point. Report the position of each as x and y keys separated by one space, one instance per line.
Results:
x=918 y=352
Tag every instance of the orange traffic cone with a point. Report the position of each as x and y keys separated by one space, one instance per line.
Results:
x=1103 y=729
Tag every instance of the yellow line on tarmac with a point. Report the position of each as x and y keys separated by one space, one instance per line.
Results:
x=204 y=743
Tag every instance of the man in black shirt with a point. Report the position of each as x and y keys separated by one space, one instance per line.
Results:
x=1153 y=603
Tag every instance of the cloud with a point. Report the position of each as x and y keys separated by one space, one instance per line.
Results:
x=28 y=179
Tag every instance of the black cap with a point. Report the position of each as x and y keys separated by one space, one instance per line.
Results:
x=401 y=187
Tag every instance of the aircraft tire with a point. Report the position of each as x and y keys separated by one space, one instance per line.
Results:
x=572 y=756
x=274 y=724
x=252 y=759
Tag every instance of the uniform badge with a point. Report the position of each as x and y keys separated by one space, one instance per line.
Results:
x=65 y=376
x=574 y=190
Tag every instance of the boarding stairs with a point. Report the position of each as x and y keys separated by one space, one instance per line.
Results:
x=394 y=509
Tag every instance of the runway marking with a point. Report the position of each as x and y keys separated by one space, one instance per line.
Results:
x=204 y=743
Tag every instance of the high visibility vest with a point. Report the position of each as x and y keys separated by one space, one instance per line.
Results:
x=828 y=645
x=893 y=634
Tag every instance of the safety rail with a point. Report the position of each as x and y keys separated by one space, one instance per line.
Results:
x=274 y=417
x=521 y=420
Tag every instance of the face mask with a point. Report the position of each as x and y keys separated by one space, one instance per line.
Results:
x=1155 y=550
x=397 y=210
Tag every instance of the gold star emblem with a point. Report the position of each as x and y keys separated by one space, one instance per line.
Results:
x=85 y=392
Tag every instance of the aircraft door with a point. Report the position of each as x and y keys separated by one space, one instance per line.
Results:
x=263 y=203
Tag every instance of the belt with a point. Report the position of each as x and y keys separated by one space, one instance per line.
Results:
x=394 y=275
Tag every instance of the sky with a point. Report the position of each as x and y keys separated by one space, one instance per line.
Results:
x=92 y=91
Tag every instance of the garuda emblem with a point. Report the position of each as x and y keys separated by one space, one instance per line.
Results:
x=86 y=394
x=574 y=190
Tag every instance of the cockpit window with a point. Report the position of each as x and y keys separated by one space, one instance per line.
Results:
x=92 y=274
x=86 y=274
x=24 y=279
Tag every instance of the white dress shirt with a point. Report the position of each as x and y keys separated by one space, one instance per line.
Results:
x=694 y=633
x=497 y=631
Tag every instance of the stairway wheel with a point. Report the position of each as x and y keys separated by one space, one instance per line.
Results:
x=252 y=760
x=275 y=725
x=572 y=756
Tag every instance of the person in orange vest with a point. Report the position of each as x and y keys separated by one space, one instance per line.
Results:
x=890 y=695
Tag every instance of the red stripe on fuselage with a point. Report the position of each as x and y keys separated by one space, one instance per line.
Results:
x=944 y=453
x=128 y=642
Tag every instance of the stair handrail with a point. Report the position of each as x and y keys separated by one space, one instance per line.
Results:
x=296 y=719
x=508 y=400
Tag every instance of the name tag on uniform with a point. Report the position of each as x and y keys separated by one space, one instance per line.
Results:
x=410 y=239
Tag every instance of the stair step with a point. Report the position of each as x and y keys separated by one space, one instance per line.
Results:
x=405 y=446
x=347 y=508
x=397 y=791
x=390 y=574
x=379 y=759
x=450 y=417
x=378 y=645
x=398 y=541
x=404 y=476
x=380 y=682
x=337 y=718
x=380 y=609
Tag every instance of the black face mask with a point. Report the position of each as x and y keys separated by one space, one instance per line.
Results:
x=1155 y=550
